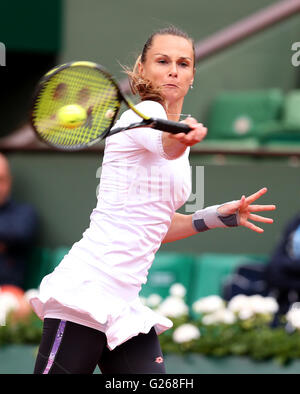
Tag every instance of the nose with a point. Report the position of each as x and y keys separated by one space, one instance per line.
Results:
x=173 y=70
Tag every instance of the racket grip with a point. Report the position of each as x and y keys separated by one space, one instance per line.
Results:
x=171 y=127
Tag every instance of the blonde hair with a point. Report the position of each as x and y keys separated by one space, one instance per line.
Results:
x=141 y=86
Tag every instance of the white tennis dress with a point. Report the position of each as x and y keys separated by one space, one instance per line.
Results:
x=97 y=283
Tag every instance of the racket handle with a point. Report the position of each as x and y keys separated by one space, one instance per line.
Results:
x=171 y=127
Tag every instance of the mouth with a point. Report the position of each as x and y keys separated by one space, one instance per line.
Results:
x=170 y=85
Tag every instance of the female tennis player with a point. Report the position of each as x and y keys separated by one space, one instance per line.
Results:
x=90 y=303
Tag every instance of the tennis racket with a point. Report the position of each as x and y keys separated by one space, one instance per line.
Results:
x=94 y=98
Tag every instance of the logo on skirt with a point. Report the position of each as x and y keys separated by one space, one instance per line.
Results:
x=159 y=360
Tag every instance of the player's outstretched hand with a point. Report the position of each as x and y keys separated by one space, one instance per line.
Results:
x=245 y=208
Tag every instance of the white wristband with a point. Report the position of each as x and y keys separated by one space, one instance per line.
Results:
x=209 y=218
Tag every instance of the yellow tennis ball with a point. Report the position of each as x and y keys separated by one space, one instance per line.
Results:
x=72 y=115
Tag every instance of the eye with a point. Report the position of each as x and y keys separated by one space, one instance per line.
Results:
x=184 y=64
x=162 y=61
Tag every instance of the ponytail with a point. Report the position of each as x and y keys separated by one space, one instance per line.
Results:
x=141 y=86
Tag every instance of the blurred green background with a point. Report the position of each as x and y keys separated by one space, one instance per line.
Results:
x=63 y=185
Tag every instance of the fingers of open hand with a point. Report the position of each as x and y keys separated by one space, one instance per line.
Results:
x=262 y=219
x=257 y=218
x=259 y=208
x=256 y=195
x=253 y=227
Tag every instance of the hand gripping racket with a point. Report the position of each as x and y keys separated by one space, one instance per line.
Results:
x=76 y=105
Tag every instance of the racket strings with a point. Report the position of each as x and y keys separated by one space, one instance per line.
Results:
x=85 y=86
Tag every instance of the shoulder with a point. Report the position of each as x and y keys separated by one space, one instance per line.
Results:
x=152 y=108
x=147 y=107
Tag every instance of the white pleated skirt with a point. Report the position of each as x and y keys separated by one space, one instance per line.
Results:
x=74 y=292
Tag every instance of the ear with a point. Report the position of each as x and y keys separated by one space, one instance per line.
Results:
x=194 y=72
x=140 y=68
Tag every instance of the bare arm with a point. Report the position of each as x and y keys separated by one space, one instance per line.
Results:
x=181 y=227
x=172 y=147
x=175 y=144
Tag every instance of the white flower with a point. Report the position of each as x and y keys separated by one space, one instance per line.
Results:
x=177 y=290
x=271 y=305
x=173 y=307
x=257 y=304
x=263 y=305
x=220 y=316
x=153 y=300
x=245 y=314
x=208 y=304
x=247 y=306
x=293 y=317
x=238 y=303
x=31 y=293
x=8 y=303
x=185 y=333
x=226 y=316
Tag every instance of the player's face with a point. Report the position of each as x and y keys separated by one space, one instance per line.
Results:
x=169 y=65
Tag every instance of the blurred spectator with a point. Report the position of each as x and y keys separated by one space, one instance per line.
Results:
x=18 y=226
x=279 y=277
x=283 y=269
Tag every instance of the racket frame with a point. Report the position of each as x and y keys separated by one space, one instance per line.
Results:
x=146 y=120
x=58 y=69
